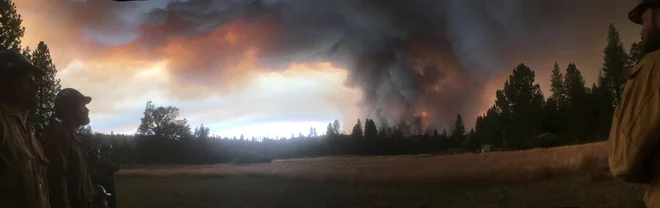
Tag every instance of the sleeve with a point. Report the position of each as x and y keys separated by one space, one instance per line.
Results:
x=7 y=179
x=4 y=160
x=634 y=133
x=56 y=150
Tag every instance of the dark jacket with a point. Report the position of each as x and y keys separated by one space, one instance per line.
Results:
x=22 y=164
x=68 y=174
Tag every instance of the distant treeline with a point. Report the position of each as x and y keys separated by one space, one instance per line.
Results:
x=522 y=117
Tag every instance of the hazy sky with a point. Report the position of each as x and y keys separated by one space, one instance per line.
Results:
x=261 y=67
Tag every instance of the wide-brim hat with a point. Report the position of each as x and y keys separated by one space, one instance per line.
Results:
x=13 y=61
x=635 y=15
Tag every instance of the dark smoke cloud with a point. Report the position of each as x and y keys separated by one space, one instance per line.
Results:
x=406 y=56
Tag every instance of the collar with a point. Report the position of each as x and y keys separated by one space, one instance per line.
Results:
x=71 y=133
x=5 y=110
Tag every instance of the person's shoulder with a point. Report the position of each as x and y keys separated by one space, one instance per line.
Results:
x=651 y=59
x=646 y=66
x=56 y=133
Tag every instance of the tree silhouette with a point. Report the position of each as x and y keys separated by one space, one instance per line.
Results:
x=44 y=112
x=312 y=132
x=575 y=111
x=27 y=52
x=557 y=86
x=602 y=108
x=370 y=131
x=574 y=85
x=458 y=135
x=521 y=104
x=336 y=127
x=357 y=130
x=11 y=30
x=615 y=61
x=471 y=143
x=330 y=131
x=383 y=130
x=162 y=122
x=636 y=53
x=202 y=132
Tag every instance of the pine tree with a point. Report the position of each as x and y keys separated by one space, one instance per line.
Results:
x=471 y=143
x=27 y=52
x=336 y=127
x=557 y=86
x=574 y=85
x=329 y=130
x=614 y=62
x=636 y=53
x=11 y=30
x=521 y=107
x=44 y=112
x=575 y=113
x=370 y=130
x=458 y=135
x=357 y=130
x=202 y=132
x=604 y=106
x=312 y=132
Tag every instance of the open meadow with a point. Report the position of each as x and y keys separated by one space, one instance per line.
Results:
x=556 y=177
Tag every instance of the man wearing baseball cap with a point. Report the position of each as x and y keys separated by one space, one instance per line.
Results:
x=22 y=162
x=69 y=178
x=635 y=131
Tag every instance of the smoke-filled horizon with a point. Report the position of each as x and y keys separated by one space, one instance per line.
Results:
x=434 y=58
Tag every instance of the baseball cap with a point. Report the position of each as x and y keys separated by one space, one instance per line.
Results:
x=12 y=61
x=69 y=95
x=635 y=15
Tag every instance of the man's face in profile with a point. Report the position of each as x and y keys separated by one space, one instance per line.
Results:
x=23 y=87
x=82 y=113
x=650 y=32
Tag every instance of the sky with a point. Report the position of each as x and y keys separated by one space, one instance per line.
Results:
x=279 y=67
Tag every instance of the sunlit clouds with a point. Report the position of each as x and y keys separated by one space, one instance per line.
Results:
x=277 y=103
x=244 y=97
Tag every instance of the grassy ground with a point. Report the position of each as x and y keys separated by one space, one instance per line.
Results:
x=558 y=177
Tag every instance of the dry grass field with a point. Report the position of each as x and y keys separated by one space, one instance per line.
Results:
x=564 y=176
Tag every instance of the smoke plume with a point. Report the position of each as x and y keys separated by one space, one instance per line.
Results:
x=412 y=59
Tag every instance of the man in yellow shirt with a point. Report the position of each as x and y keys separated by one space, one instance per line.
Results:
x=635 y=132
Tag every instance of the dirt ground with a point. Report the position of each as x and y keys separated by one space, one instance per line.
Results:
x=574 y=176
x=204 y=192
